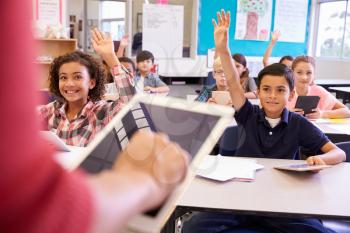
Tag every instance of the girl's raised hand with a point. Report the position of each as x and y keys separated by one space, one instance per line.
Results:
x=103 y=44
x=221 y=30
x=275 y=35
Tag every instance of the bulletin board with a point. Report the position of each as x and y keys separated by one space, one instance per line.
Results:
x=207 y=11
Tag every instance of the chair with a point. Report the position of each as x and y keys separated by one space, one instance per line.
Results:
x=231 y=140
x=345 y=146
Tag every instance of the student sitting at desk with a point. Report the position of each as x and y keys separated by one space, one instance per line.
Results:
x=286 y=60
x=328 y=106
x=111 y=88
x=220 y=84
x=145 y=79
x=271 y=132
x=77 y=79
x=247 y=83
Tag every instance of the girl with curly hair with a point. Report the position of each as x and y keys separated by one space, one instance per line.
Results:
x=77 y=80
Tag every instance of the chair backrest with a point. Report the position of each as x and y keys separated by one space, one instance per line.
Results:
x=345 y=146
x=231 y=140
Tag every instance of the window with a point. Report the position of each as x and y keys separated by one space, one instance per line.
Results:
x=113 y=18
x=333 y=30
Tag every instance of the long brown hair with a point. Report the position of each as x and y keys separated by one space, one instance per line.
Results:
x=303 y=58
x=306 y=59
x=244 y=78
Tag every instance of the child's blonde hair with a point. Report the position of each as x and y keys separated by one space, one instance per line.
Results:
x=217 y=63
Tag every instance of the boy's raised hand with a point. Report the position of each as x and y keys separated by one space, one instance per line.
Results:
x=221 y=30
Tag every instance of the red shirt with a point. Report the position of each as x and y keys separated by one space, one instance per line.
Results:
x=36 y=194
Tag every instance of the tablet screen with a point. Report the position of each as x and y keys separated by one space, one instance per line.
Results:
x=307 y=103
x=188 y=129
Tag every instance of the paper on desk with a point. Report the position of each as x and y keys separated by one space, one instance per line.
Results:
x=344 y=129
x=332 y=121
x=223 y=168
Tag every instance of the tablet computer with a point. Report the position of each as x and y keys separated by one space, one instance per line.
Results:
x=195 y=126
x=307 y=103
x=302 y=167
x=221 y=97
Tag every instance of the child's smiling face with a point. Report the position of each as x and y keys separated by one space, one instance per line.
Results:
x=274 y=92
x=75 y=82
x=304 y=74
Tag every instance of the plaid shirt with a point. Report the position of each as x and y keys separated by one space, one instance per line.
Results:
x=205 y=93
x=92 y=118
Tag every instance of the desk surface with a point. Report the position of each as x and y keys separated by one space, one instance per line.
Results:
x=333 y=82
x=323 y=194
x=342 y=89
x=333 y=126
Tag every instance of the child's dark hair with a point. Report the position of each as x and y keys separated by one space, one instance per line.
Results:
x=277 y=69
x=128 y=60
x=94 y=67
x=240 y=58
x=144 y=55
x=287 y=57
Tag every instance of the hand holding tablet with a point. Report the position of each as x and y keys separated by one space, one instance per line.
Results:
x=307 y=103
x=302 y=167
x=159 y=163
x=163 y=161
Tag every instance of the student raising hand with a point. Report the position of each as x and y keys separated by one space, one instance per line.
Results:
x=103 y=45
x=124 y=42
x=275 y=35
x=221 y=30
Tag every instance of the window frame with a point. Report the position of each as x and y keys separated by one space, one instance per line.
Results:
x=316 y=30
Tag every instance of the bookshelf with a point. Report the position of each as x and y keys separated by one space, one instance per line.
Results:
x=48 y=49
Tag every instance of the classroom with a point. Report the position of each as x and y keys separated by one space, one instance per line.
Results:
x=175 y=116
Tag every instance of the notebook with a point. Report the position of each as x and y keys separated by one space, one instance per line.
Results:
x=195 y=126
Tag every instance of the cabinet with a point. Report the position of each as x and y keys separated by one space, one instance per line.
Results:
x=48 y=49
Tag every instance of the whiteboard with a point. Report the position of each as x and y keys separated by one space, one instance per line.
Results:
x=162 y=30
x=292 y=22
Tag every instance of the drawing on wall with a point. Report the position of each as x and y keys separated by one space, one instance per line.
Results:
x=253 y=20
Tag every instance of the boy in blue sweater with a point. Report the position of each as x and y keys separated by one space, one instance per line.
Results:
x=271 y=132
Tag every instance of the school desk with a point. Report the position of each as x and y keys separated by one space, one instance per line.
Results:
x=337 y=130
x=327 y=83
x=342 y=93
x=273 y=193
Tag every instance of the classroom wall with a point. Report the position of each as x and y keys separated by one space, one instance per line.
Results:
x=332 y=69
x=197 y=67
